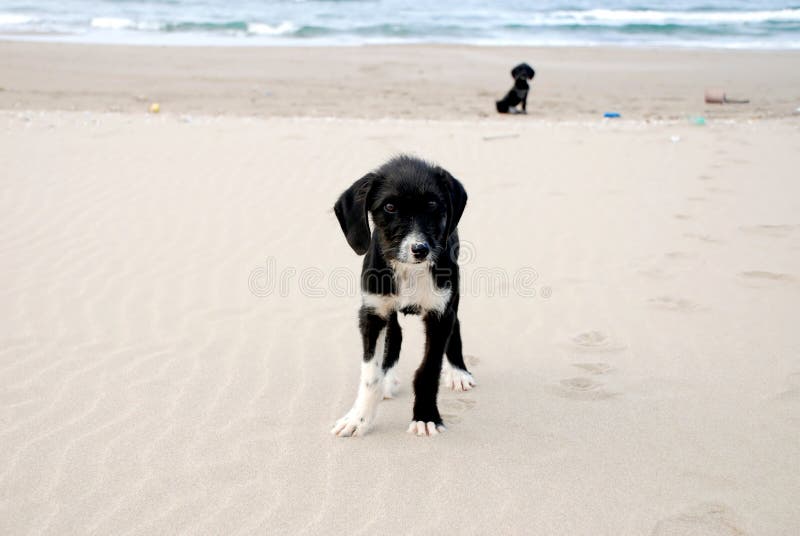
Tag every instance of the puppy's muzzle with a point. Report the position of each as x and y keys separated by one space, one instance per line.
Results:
x=420 y=250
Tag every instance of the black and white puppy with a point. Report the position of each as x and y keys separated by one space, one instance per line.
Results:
x=410 y=267
x=519 y=93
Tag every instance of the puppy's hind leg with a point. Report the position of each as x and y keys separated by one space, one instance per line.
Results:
x=358 y=420
x=456 y=376
x=394 y=339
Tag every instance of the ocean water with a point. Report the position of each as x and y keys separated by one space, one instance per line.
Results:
x=678 y=23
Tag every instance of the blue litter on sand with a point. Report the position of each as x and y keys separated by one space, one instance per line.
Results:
x=611 y=114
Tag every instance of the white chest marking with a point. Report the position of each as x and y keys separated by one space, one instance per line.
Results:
x=415 y=288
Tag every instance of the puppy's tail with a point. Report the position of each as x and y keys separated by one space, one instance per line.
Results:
x=502 y=107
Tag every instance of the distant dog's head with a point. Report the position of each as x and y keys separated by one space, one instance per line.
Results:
x=415 y=206
x=523 y=70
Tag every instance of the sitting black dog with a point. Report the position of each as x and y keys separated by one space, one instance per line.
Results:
x=519 y=93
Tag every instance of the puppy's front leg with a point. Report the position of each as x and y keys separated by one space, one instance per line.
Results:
x=427 y=420
x=394 y=339
x=370 y=388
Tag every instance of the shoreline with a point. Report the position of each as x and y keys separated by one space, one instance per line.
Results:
x=396 y=81
x=211 y=41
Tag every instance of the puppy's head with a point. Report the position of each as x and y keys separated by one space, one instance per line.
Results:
x=414 y=205
x=523 y=70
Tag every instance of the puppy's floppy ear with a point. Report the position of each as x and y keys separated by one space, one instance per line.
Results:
x=352 y=209
x=456 y=199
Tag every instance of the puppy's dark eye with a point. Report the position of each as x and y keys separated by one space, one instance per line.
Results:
x=390 y=208
x=432 y=205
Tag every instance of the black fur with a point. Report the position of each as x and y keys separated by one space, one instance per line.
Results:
x=519 y=93
x=408 y=197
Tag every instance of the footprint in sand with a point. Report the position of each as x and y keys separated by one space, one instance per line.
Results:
x=705 y=178
x=702 y=237
x=760 y=275
x=452 y=408
x=594 y=368
x=793 y=389
x=717 y=190
x=682 y=216
x=670 y=303
x=775 y=231
x=580 y=388
x=655 y=273
x=471 y=360
x=679 y=255
x=595 y=341
x=702 y=520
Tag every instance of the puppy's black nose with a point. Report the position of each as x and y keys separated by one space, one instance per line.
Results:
x=420 y=250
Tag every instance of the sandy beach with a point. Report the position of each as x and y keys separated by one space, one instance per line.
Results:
x=411 y=81
x=628 y=307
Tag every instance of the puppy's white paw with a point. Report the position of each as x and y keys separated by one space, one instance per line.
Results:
x=458 y=379
x=390 y=385
x=355 y=423
x=425 y=428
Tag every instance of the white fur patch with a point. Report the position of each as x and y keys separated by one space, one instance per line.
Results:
x=425 y=428
x=390 y=384
x=358 y=420
x=457 y=379
x=381 y=304
x=415 y=288
x=404 y=251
